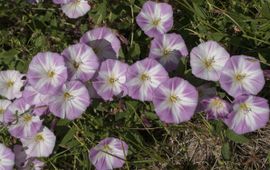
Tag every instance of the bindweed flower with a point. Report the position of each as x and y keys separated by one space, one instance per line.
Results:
x=71 y=100
x=205 y=91
x=207 y=60
x=75 y=8
x=61 y=1
x=82 y=63
x=11 y=83
x=15 y=109
x=216 y=108
x=3 y=106
x=155 y=18
x=103 y=41
x=249 y=114
x=175 y=100
x=110 y=153
x=23 y=122
x=242 y=75
x=111 y=79
x=39 y=145
x=47 y=72
x=7 y=158
x=144 y=77
x=168 y=49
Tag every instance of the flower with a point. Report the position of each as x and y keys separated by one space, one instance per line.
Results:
x=216 y=108
x=47 y=72
x=39 y=145
x=75 y=8
x=111 y=79
x=15 y=109
x=249 y=114
x=168 y=49
x=103 y=41
x=207 y=60
x=61 y=1
x=205 y=91
x=242 y=75
x=3 y=106
x=108 y=154
x=175 y=100
x=11 y=83
x=71 y=100
x=23 y=162
x=155 y=18
x=81 y=61
x=7 y=158
x=144 y=77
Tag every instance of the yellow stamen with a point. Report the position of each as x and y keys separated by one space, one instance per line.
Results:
x=39 y=137
x=76 y=65
x=67 y=95
x=145 y=77
x=174 y=98
x=112 y=80
x=10 y=83
x=1 y=111
x=156 y=22
x=208 y=63
x=217 y=103
x=244 y=107
x=106 y=148
x=27 y=117
x=51 y=74
x=240 y=77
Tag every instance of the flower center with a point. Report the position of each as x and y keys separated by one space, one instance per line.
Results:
x=67 y=95
x=174 y=98
x=27 y=117
x=112 y=80
x=107 y=148
x=10 y=83
x=240 y=77
x=76 y=65
x=208 y=63
x=39 y=137
x=51 y=74
x=145 y=77
x=1 y=111
x=244 y=107
x=166 y=52
x=217 y=103
x=156 y=22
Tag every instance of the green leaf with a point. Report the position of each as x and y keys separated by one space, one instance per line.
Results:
x=151 y=115
x=235 y=137
x=135 y=50
x=226 y=152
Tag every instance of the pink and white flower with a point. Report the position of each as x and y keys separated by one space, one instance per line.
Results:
x=175 y=100
x=47 y=72
x=155 y=18
x=242 y=75
x=11 y=83
x=144 y=77
x=61 y=1
x=7 y=158
x=111 y=79
x=75 y=8
x=207 y=60
x=110 y=153
x=249 y=114
x=82 y=63
x=3 y=106
x=168 y=49
x=216 y=108
x=103 y=41
x=39 y=145
x=71 y=100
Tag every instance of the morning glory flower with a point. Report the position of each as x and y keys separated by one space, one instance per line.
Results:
x=11 y=83
x=242 y=75
x=7 y=158
x=144 y=77
x=3 y=106
x=155 y=18
x=207 y=60
x=205 y=91
x=168 y=49
x=81 y=61
x=175 y=100
x=75 y=8
x=111 y=79
x=15 y=109
x=39 y=145
x=216 y=108
x=71 y=100
x=249 y=114
x=103 y=41
x=47 y=72
x=110 y=153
